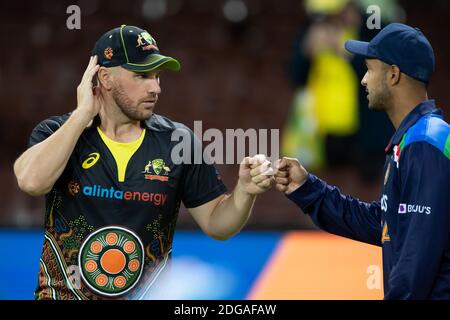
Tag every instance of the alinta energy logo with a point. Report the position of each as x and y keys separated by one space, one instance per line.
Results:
x=98 y=191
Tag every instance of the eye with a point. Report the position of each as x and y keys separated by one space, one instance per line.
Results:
x=147 y=76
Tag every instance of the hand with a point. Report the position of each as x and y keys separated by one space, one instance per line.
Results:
x=87 y=95
x=290 y=175
x=255 y=175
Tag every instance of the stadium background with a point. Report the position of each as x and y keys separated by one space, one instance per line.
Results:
x=234 y=75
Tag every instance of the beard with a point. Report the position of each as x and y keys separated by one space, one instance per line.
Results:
x=128 y=107
x=379 y=99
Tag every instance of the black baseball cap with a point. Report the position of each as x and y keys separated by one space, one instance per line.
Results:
x=402 y=45
x=132 y=48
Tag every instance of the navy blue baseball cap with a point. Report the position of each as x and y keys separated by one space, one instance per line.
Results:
x=132 y=48
x=402 y=45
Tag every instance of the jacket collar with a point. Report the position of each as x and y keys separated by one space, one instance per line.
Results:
x=422 y=109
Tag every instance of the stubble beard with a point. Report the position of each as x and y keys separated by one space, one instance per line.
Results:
x=127 y=105
x=380 y=100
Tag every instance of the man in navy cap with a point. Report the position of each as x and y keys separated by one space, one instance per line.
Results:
x=411 y=220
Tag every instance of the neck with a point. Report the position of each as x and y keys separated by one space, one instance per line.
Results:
x=116 y=125
x=403 y=103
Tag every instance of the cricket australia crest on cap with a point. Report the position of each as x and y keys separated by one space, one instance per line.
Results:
x=146 y=42
x=111 y=261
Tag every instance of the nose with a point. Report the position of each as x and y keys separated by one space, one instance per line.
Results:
x=364 y=80
x=153 y=86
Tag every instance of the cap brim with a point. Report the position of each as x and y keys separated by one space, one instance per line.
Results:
x=360 y=48
x=154 y=61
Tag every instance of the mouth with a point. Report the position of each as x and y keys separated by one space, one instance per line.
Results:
x=150 y=103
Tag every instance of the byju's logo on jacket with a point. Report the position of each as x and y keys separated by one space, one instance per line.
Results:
x=404 y=208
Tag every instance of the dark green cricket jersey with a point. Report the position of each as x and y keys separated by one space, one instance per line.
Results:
x=111 y=239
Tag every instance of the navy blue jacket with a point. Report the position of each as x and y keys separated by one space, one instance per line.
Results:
x=412 y=219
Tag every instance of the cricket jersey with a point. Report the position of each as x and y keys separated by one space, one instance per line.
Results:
x=411 y=220
x=111 y=215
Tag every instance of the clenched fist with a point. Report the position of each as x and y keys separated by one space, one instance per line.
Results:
x=255 y=174
x=290 y=175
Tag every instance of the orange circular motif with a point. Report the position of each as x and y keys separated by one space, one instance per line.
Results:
x=111 y=238
x=74 y=188
x=101 y=280
x=113 y=261
x=108 y=53
x=129 y=246
x=96 y=247
x=90 y=266
x=120 y=281
x=133 y=265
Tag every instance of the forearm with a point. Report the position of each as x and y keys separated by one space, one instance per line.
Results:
x=38 y=168
x=337 y=213
x=231 y=214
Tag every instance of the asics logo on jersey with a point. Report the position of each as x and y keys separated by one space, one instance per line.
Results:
x=89 y=162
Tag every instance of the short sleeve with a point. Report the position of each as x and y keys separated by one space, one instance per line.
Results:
x=202 y=182
x=46 y=128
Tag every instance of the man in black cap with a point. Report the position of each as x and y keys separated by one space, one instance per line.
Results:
x=411 y=221
x=113 y=188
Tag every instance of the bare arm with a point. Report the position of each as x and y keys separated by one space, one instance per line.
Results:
x=226 y=215
x=38 y=168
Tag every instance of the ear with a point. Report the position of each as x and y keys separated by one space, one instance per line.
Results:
x=105 y=76
x=394 y=75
